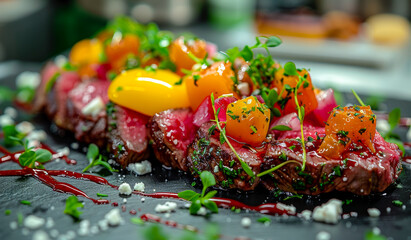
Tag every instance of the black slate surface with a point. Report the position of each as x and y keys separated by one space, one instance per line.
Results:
x=48 y=203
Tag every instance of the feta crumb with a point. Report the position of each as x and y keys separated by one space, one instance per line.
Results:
x=143 y=199
x=167 y=215
x=306 y=214
x=25 y=127
x=28 y=79
x=94 y=230
x=84 y=228
x=60 y=61
x=140 y=168
x=113 y=217
x=344 y=179
x=33 y=222
x=329 y=212
x=49 y=222
x=323 y=236
x=54 y=233
x=63 y=151
x=216 y=169
x=11 y=112
x=103 y=224
x=166 y=207
x=388 y=209
x=94 y=107
x=74 y=145
x=246 y=222
x=374 y=212
x=125 y=189
x=202 y=211
x=244 y=89
x=139 y=187
x=175 y=141
x=6 y=120
x=40 y=235
x=25 y=231
x=124 y=200
x=290 y=209
x=37 y=135
x=382 y=126
x=376 y=231
x=13 y=225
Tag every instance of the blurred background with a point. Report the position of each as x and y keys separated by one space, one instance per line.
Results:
x=360 y=44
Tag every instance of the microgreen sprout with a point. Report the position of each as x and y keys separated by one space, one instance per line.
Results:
x=25 y=202
x=72 y=205
x=223 y=139
x=357 y=97
x=197 y=200
x=95 y=158
x=281 y=128
x=30 y=158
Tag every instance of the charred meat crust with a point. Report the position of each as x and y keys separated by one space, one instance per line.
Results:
x=206 y=153
x=127 y=137
x=172 y=153
x=358 y=171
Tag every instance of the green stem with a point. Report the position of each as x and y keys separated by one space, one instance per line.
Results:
x=301 y=118
x=357 y=97
x=276 y=168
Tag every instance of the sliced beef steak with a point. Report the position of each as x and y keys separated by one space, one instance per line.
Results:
x=49 y=70
x=86 y=107
x=358 y=171
x=171 y=132
x=206 y=153
x=56 y=106
x=127 y=135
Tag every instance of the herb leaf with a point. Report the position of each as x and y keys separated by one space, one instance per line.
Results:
x=281 y=128
x=95 y=158
x=273 y=41
x=42 y=155
x=188 y=195
x=290 y=69
x=394 y=117
x=72 y=205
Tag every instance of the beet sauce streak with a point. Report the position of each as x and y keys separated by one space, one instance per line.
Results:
x=45 y=176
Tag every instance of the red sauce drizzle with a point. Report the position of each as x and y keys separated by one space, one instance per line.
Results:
x=46 y=177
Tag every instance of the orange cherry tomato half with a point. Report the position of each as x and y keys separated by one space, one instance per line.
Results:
x=305 y=94
x=345 y=126
x=118 y=51
x=248 y=121
x=84 y=54
x=180 y=48
x=214 y=79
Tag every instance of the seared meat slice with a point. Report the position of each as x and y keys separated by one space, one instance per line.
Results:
x=56 y=105
x=171 y=132
x=206 y=153
x=127 y=135
x=41 y=96
x=86 y=107
x=358 y=171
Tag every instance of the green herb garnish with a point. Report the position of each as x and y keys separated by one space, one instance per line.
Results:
x=264 y=220
x=95 y=158
x=197 y=200
x=281 y=128
x=25 y=202
x=397 y=203
x=72 y=205
x=102 y=195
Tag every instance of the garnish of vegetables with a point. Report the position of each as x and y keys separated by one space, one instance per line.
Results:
x=216 y=79
x=248 y=121
x=197 y=200
x=95 y=158
x=345 y=126
x=72 y=205
x=32 y=158
x=224 y=139
x=182 y=48
x=286 y=81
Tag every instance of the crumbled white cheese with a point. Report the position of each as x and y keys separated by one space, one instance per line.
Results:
x=37 y=135
x=63 y=151
x=94 y=230
x=13 y=225
x=54 y=233
x=12 y=112
x=74 y=145
x=290 y=209
x=40 y=235
x=244 y=88
x=60 y=61
x=113 y=217
x=246 y=222
x=143 y=199
x=49 y=222
x=306 y=214
x=6 y=120
x=103 y=224
x=374 y=212
x=33 y=222
x=202 y=211
x=139 y=187
x=166 y=207
x=382 y=126
x=94 y=107
x=140 y=168
x=125 y=189
x=329 y=212
x=216 y=169
x=25 y=127
x=388 y=209
x=124 y=200
x=84 y=228
x=323 y=236
x=167 y=215
x=28 y=79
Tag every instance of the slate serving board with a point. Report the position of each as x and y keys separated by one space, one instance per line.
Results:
x=47 y=203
